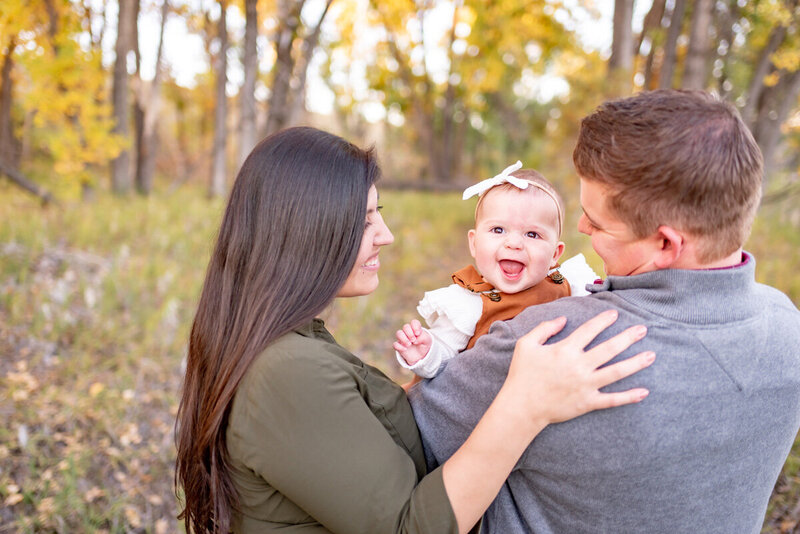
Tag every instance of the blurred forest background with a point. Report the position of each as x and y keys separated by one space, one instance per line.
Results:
x=122 y=125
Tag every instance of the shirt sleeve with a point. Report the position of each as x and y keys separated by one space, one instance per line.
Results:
x=320 y=445
x=448 y=407
x=443 y=334
x=578 y=273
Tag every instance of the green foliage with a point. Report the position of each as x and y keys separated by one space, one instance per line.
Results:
x=95 y=306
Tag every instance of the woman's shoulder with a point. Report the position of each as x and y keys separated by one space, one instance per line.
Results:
x=303 y=354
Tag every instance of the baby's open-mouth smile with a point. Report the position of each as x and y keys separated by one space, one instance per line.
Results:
x=511 y=269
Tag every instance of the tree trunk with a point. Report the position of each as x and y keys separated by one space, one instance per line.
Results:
x=671 y=45
x=725 y=21
x=247 y=95
x=447 y=169
x=776 y=103
x=309 y=45
x=620 y=65
x=289 y=20
x=150 y=103
x=695 y=68
x=121 y=178
x=759 y=72
x=9 y=144
x=139 y=104
x=651 y=21
x=218 y=173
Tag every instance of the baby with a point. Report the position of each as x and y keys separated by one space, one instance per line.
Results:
x=515 y=244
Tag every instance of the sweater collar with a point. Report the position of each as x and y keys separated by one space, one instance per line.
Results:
x=693 y=296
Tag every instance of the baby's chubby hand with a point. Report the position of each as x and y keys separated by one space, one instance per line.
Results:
x=413 y=342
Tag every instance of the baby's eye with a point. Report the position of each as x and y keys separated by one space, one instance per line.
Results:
x=533 y=235
x=497 y=229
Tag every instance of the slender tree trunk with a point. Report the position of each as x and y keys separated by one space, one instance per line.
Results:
x=695 y=68
x=289 y=20
x=138 y=86
x=776 y=103
x=725 y=21
x=620 y=65
x=218 y=173
x=671 y=45
x=247 y=95
x=651 y=21
x=121 y=178
x=9 y=144
x=309 y=45
x=759 y=72
x=447 y=160
x=151 y=103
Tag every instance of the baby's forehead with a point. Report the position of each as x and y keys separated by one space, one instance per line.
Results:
x=495 y=203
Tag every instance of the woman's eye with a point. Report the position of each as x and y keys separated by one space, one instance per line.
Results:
x=533 y=235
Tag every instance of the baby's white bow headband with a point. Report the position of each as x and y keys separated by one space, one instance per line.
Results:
x=505 y=177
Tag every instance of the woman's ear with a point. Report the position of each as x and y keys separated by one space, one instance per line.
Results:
x=557 y=253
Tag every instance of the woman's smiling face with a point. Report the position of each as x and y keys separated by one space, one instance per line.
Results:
x=363 y=279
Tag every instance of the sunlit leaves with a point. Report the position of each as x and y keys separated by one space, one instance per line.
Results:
x=61 y=86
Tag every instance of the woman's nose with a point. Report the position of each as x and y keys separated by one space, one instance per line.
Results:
x=384 y=235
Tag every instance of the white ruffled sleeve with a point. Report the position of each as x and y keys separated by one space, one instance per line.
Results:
x=451 y=314
x=578 y=274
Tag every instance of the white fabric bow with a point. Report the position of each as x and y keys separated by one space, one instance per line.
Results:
x=504 y=177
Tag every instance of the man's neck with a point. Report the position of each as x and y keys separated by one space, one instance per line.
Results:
x=731 y=260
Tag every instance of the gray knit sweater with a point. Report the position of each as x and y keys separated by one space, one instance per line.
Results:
x=700 y=454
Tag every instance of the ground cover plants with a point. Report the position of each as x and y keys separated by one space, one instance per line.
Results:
x=95 y=304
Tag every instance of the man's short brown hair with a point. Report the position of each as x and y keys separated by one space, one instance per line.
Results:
x=679 y=158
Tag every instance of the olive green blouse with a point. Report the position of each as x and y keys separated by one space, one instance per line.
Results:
x=321 y=442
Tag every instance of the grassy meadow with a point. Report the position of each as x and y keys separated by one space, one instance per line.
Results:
x=96 y=300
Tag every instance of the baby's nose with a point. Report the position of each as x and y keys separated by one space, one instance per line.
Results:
x=513 y=240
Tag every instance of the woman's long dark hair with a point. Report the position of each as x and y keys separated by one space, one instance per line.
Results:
x=288 y=240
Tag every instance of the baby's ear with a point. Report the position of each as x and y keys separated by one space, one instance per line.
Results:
x=557 y=253
x=471 y=240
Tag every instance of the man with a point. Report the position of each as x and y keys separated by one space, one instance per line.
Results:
x=670 y=182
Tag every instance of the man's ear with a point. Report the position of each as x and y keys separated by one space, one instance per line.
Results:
x=557 y=253
x=671 y=243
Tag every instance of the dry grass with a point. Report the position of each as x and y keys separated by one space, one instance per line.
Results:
x=95 y=304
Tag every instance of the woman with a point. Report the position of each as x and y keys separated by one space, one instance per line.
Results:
x=280 y=428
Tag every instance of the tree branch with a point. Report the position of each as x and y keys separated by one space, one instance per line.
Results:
x=17 y=178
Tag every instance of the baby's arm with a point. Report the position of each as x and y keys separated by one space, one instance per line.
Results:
x=443 y=342
x=413 y=342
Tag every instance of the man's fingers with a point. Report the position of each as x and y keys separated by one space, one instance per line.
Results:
x=544 y=331
x=610 y=400
x=585 y=333
x=612 y=373
x=609 y=348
